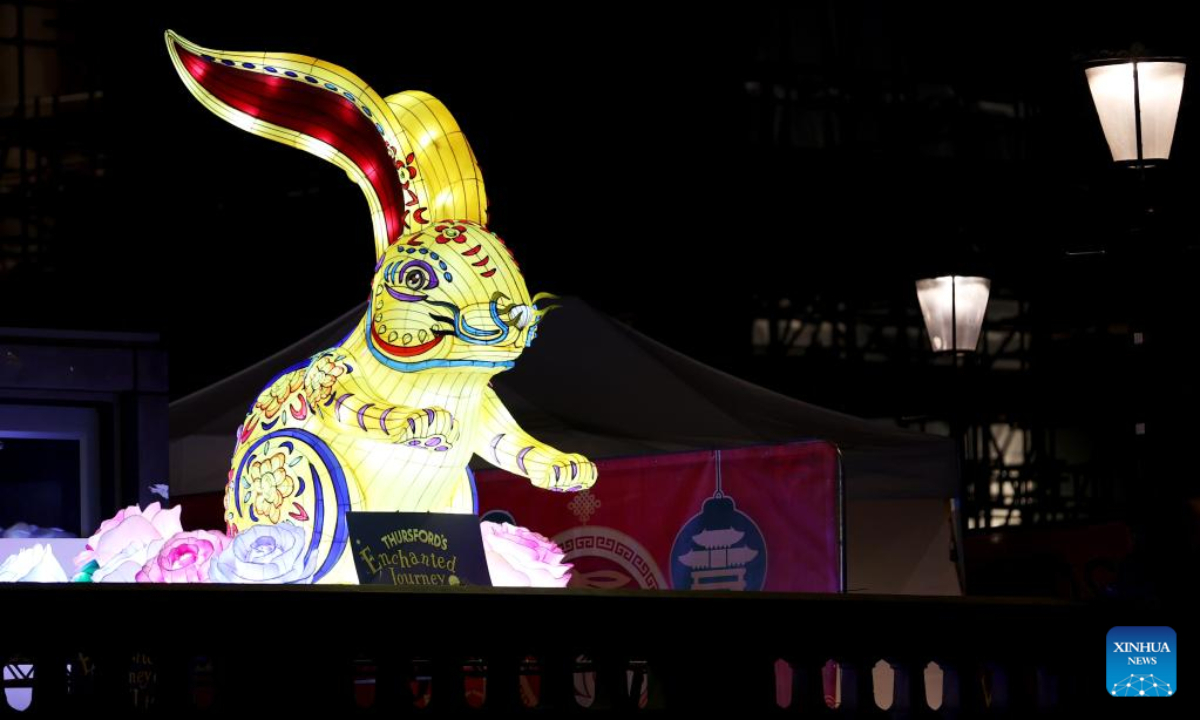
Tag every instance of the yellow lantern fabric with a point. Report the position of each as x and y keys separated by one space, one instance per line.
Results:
x=389 y=419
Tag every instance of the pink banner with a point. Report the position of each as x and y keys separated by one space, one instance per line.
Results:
x=760 y=518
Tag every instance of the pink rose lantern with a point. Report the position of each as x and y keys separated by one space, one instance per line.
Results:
x=184 y=558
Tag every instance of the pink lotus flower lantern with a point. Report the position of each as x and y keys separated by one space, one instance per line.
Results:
x=519 y=557
x=129 y=526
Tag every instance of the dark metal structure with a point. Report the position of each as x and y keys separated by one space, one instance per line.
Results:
x=50 y=154
x=1068 y=395
x=1018 y=469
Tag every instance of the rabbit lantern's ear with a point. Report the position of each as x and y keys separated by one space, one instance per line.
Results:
x=406 y=152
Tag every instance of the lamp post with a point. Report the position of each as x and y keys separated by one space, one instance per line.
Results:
x=953 y=307
x=1137 y=100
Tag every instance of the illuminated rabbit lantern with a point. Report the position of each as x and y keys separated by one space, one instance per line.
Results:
x=389 y=419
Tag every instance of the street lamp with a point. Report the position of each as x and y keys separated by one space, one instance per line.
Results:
x=1138 y=103
x=1137 y=100
x=953 y=307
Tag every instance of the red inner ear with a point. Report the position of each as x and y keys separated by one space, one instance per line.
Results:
x=312 y=109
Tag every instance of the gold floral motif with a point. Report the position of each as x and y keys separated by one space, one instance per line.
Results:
x=276 y=396
x=322 y=376
x=270 y=485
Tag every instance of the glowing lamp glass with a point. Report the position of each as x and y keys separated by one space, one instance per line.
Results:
x=1157 y=91
x=953 y=308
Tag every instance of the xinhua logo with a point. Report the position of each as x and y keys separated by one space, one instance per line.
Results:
x=1141 y=662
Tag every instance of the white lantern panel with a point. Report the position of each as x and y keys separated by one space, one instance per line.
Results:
x=1161 y=86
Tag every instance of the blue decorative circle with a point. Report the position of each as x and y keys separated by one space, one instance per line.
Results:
x=289 y=73
x=379 y=128
x=442 y=265
x=366 y=110
x=719 y=515
x=411 y=251
x=330 y=86
x=423 y=251
x=268 y=68
x=349 y=96
x=230 y=63
x=433 y=256
x=448 y=277
x=209 y=58
x=311 y=79
x=337 y=483
x=248 y=66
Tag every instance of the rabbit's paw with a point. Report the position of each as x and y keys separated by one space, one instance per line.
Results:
x=566 y=472
x=428 y=428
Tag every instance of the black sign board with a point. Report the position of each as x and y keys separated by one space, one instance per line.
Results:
x=417 y=549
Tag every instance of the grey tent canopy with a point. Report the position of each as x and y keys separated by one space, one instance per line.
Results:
x=593 y=385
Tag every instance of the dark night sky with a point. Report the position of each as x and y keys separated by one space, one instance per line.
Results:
x=618 y=153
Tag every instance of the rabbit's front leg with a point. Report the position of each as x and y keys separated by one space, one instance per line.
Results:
x=504 y=444
x=429 y=428
x=341 y=403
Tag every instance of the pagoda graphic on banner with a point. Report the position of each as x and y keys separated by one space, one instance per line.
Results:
x=721 y=548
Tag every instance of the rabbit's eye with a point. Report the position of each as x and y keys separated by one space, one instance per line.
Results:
x=415 y=279
x=418 y=275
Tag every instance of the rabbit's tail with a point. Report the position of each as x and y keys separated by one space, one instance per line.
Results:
x=290 y=474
